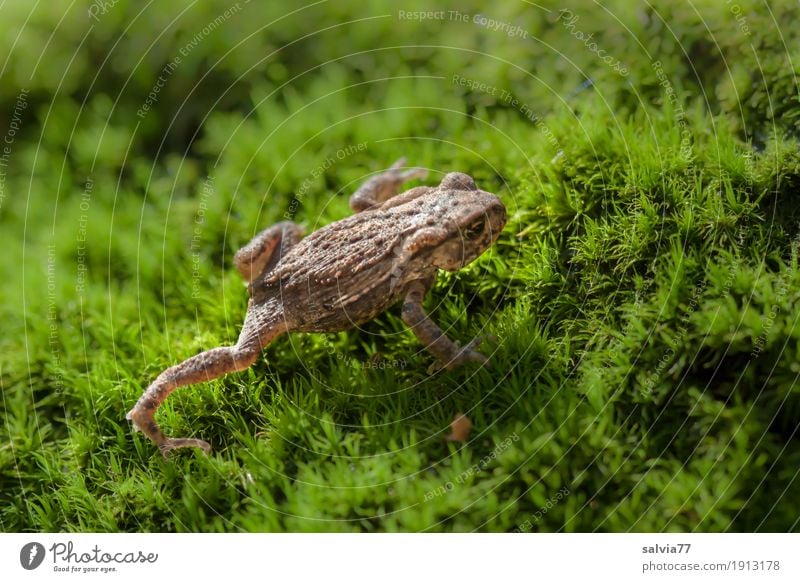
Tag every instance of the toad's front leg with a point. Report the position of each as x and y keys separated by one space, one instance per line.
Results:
x=449 y=353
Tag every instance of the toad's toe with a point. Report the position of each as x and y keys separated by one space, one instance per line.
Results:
x=170 y=444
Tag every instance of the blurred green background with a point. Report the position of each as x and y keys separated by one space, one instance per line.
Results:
x=643 y=295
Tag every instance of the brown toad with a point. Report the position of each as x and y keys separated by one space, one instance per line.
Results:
x=345 y=274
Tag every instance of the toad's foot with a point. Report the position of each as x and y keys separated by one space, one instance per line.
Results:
x=170 y=444
x=465 y=355
x=142 y=418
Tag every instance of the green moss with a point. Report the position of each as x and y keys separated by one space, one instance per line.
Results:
x=642 y=297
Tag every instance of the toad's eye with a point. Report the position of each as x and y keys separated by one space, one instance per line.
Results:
x=474 y=230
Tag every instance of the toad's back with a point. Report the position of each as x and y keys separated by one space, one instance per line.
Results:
x=339 y=276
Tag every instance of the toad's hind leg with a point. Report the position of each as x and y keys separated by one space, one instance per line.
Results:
x=262 y=253
x=262 y=325
x=383 y=186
